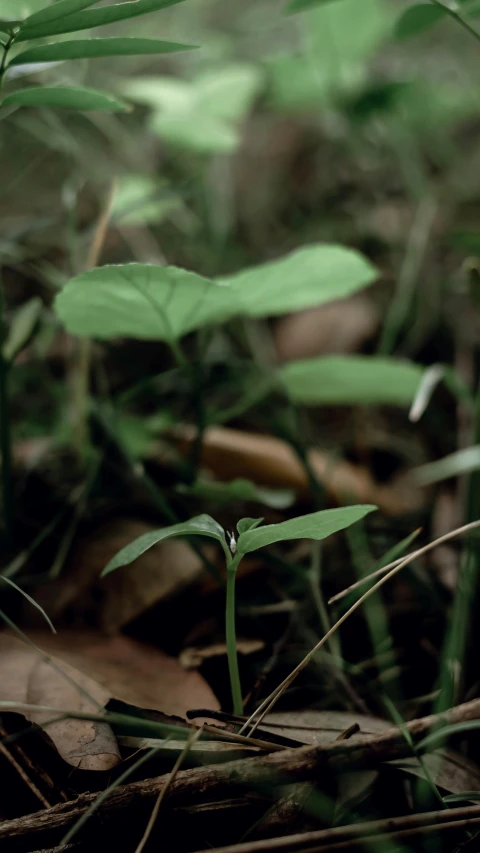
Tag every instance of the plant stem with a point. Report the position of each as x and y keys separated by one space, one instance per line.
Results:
x=231 y=639
x=5 y=437
x=3 y=63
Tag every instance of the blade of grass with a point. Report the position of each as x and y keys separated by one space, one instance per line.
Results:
x=266 y=706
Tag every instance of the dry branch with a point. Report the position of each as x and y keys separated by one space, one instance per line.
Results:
x=201 y=784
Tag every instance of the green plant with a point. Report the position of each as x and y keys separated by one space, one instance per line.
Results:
x=32 y=22
x=69 y=16
x=251 y=536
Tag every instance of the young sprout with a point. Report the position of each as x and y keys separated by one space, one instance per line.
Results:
x=232 y=543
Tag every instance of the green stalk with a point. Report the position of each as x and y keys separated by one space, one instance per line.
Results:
x=5 y=437
x=231 y=636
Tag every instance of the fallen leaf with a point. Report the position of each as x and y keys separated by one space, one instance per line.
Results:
x=134 y=672
x=269 y=461
x=342 y=326
x=26 y=677
x=127 y=593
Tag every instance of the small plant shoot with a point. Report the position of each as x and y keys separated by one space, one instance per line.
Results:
x=252 y=535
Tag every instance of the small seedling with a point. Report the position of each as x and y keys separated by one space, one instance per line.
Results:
x=251 y=536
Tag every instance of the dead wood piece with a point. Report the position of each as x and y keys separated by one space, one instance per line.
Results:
x=279 y=768
x=346 y=837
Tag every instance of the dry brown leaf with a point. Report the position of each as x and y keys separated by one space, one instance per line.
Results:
x=339 y=327
x=134 y=672
x=269 y=461
x=127 y=593
x=25 y=677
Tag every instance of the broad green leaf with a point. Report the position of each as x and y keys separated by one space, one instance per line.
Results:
x=308 y=276
x=418 y=19
x=351 y=380
x=58 y=10
x=142 y=301
x=94 y=48
x=95 y=18
x=195 y=131
x=21 y=329
x=201 y=525
x=65 y=97
x=246 y=524
x=316 y=525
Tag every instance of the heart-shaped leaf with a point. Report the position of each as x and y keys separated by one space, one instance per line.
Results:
x=306 y=277
x=142 y=301
x=315 y=525
x=201 y=525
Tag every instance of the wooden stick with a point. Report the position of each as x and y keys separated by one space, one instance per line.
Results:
x=222 y=781
x=345 y=837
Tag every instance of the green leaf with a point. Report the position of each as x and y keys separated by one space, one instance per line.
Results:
x=240 y=489
x=316 y=525
x=339 y=40
x=418 y=19
x=142 y=301
x=142 y=200
x=246 y=524
x=438 y=737
x=306 y=277
x=196 y=132
x=94 y=18
x=199 y=115
x=201 y=525
x=58 y=10
x=301 y=5
x=465 y=796
x=95 y=48
x=350 y=380
x=21 y=329
x=65 y=97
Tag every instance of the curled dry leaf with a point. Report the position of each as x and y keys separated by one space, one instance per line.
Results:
x=134 y=672
x=267 y=460
x=338 y=327
x=26 y=677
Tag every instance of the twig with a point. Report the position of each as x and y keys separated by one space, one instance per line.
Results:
x=346 y=837
x=194 y=736
x=224 y=781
